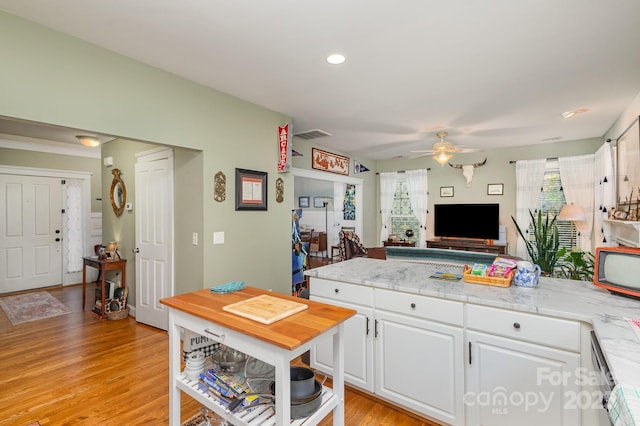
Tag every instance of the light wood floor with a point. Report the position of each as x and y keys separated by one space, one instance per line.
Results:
x=78 y=370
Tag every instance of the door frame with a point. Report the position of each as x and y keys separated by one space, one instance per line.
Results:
x=329 y=177
x=85 y=177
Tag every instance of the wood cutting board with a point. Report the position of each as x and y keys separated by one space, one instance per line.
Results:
x=265 y=309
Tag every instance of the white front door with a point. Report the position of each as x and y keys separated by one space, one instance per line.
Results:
x=30 y=232
x=154 y=236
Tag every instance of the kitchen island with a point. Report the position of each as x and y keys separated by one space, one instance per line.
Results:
x=276 y=344
x=554 y=319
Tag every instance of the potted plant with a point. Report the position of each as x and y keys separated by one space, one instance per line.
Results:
x=543 y=250
x=575 y=265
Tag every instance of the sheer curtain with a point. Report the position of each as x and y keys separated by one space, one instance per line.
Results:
x=387 y=192
x=73 y=218
x=604 y=195
x=529 y=179
x=576 y=174
x=418 y=196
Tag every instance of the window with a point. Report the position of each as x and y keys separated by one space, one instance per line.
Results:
x=550 y=203
x=402 y=217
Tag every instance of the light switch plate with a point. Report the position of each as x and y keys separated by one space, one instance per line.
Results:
x=218 y=238
x=194 y=238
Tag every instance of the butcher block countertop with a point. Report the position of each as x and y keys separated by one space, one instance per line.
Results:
x=287 y=333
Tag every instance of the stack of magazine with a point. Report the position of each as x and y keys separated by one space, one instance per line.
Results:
x=224 y=387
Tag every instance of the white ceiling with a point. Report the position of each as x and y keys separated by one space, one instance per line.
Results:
x=492 y=73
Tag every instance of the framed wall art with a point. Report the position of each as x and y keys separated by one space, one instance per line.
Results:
x=328 y=162
x=251 y=190
x=318 y=202
x=495 y=189
x=446 y=191
x=303 y=202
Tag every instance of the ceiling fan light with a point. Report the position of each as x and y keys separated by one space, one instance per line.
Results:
x=442 y=158
x=90 y=141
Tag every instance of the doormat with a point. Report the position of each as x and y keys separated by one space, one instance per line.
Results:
x=32 y=307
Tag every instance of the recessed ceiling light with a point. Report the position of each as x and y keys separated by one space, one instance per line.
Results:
x=336 y=59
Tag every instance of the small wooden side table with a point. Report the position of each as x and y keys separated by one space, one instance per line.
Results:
x=101 y=265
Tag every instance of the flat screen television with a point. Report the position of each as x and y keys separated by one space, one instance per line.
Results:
x=479 y=221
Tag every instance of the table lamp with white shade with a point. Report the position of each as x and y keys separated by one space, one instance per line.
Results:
x=573 y=214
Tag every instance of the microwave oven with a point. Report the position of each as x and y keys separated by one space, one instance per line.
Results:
x=617 y=269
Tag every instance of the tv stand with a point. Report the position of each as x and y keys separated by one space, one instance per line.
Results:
x=467 y=245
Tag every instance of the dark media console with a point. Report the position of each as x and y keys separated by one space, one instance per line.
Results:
x=467 y=245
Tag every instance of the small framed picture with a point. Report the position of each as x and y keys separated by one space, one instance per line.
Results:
x=318 y=202
x=495 y=189
x=303 y=202
x=251 y=190
x=446 y=191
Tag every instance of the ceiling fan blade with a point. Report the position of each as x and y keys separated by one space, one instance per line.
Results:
x=418 y=156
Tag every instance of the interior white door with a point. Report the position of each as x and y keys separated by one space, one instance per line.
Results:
x=154 y=236
x=30 y=232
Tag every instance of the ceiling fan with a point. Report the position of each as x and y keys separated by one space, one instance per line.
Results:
x=442 y=150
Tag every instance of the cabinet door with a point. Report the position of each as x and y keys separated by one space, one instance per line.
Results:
x=358 y=347
x=517 y=383
x=419 y=364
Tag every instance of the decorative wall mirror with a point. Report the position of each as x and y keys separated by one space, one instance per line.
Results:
x=118 y=193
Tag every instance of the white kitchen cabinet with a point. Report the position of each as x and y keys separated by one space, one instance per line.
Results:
x=419 y=365
x=358 y=335
x=521 y=369
x=358 y=341
x=395 y=349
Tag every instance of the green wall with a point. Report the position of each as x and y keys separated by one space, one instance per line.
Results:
x=53 y=78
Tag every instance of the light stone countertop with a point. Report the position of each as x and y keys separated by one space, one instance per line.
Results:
x=575 y=300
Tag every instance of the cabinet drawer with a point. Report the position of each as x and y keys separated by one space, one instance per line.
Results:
x=352 y=293
x=445 y=311
x=540 y=329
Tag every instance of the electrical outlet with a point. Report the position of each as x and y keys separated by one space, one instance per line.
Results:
x=194 y=239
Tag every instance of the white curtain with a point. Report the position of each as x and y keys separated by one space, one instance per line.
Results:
x=529 y=179
x=604 y=195
x=576 y=174
x=418 y=189
x=339 y=189
x=72 y=241
x=387 y=192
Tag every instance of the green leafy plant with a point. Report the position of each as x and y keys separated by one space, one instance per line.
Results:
x=543 y=250
x=575 y=265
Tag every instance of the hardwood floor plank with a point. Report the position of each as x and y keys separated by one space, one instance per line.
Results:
x=76 y=369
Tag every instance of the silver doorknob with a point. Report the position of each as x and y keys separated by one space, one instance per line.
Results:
x=135 y=250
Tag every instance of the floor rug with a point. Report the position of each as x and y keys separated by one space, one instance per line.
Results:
x=32 y=306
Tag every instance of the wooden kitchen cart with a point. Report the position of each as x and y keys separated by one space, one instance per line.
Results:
x=276 y=344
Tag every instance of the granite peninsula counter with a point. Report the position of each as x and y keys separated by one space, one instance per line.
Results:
x=565 y=299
